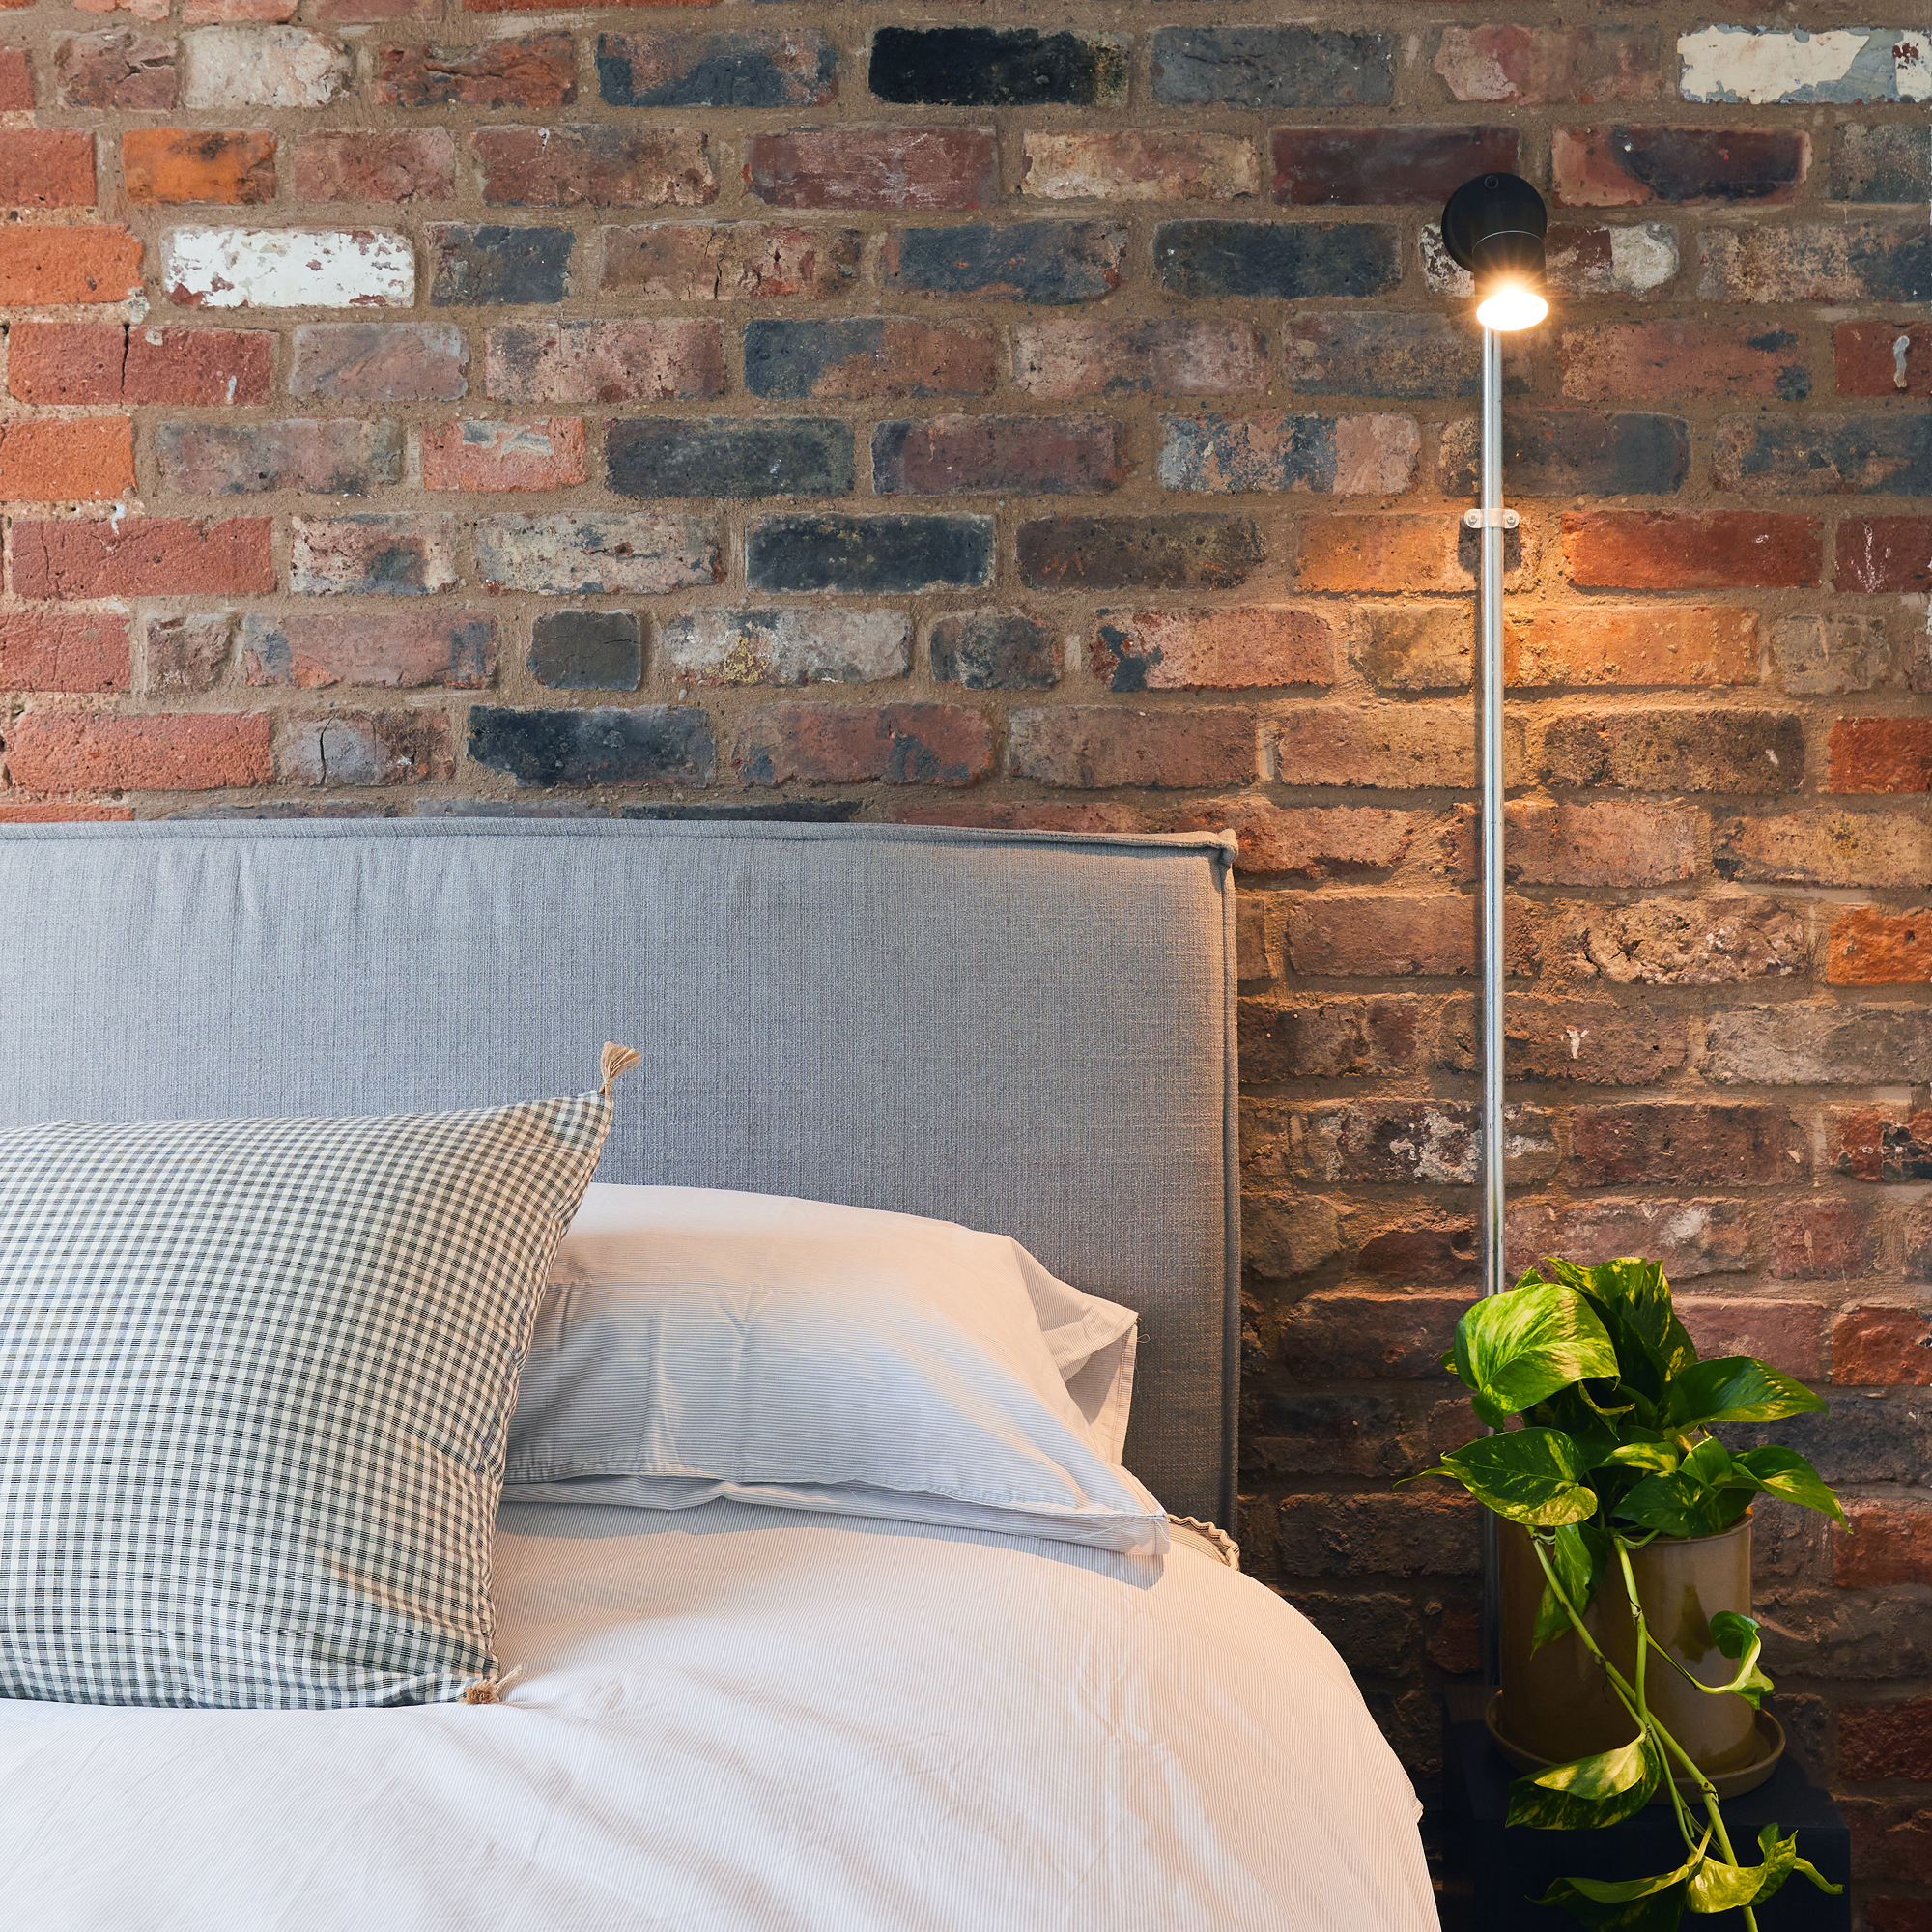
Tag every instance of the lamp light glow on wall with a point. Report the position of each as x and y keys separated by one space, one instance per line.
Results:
x=1493 y=226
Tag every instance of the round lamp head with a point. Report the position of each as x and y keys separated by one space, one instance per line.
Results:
x=1494 y=227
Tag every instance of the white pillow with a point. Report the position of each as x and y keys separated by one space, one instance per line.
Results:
x=701 y=1343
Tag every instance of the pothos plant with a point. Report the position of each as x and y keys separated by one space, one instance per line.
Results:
x=1614 y=1447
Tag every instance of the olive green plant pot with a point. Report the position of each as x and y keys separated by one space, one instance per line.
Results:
x=1555 y=1704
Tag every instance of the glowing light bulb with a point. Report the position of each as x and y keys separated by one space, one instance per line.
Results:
x=1511 y=306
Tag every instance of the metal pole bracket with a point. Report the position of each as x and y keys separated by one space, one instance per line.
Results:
x=1495 y=519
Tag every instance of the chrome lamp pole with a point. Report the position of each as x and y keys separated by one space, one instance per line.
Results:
x=1493 y=226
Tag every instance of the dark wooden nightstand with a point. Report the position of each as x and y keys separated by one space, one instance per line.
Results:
x=1492 y=1872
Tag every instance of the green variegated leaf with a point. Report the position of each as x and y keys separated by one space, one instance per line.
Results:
x=1738 y=1636
x=1736 y=1388
x=1717 y=1886
x=1594 y=1791
x=1785 y=1472
x=1633 y=1300
x=1528 y=1475
x=1578 y=1554
x=1709 y=1463
x=1677 y=1505
x=1512 y=1350
x=1658 y=1458
x=1774 y=1848
x=1628 y=1905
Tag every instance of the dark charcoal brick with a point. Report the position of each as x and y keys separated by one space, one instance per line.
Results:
x=1889 y=163
x=1562 y=452
x=790 y=67
x=1288 y=262
x=492 y=264
x=1839 y=456
x=997 y=66
x=587 y=650
x=994 y=650
x=731 y=456
x=866 y=356
x=651 y=744
x=1395 y=355
x=880 y=555
x=1271 y=67
x=1185 y=552
x=1047 y=262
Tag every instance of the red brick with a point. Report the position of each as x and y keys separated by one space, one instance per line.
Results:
x=1018 y=814
x=1396 y=746
x=47 y=167
x=862 y=358
x=545 y=6
x=1096 y=747
x=1232 y=648
x=1164 y=356
x=327 y=13
x=1783 y=1333
x=1866 y=357
x=188 y=653
x=56 y=812
x=1675 y=941
x=1687 y=1238
x=68 y=265
x=403 y=649
x=1874 y=1143
x=544 y=453
x=875 y=167
x=337 y=455
x=70 y=750
x=1870 y=947
x=1190 y=552
x=365 y=748
x=1337 y=1039
x=1287 y=1236
x=130 y=70
x=1137 y=164
x=850 y=744
x=1685 y=550
x=1312 y=842
x=1677 y=1144
x=1358 y=166
x=1823 y=847
x=414 y=164
x=1613 y=363
x=1897 y=1915
x=535 y=70
x=64 y=650
x=1866 y=262
x=1628 y=166
x=1882 y=1348
x=1680 y=748
x=600 y=165
x=1372 y=934
x=80 y=461
x=1889 y=1544
x=1632 y=645
x=1598 y=1040
x=1422 y=1250
x=730 y=261
x=16 y=81
x=1401 y=1142
x=1030 y=456
x=1371 y=552
x=380 y=363
x=1878 y=553
x=1878 y=754
x=108 y=362
x=169 y=165
x=1534 y=65
x=1330 y=1337
x=205 y=13
x=373 y=554
x=1599 y=842
x=1820 y=1241
x=1415 y=1534
x=1877 y=1741
x=145 y=556
x=605 y=361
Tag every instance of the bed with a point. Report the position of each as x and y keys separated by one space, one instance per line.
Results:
x=731 y=1716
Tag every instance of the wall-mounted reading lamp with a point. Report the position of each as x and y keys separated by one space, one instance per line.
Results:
x=1494 y=227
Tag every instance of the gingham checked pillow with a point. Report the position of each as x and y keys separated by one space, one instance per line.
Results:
x=255 y=1383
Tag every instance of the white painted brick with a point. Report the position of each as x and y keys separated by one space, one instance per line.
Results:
x=261 y=66
x=788 y=646
x=288 y=268
x=1838 y=64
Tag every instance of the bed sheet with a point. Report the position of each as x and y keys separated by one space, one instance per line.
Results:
x=733 y=1719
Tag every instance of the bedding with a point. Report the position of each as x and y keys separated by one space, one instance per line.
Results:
x=742 y=1719
x=699 y=1343
x=255 y=1378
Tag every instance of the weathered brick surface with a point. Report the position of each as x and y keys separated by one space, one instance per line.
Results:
x=682 y=406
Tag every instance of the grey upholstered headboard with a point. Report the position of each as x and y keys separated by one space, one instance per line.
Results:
x=1028 y=1032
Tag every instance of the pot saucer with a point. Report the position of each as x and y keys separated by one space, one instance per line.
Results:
x=1728 y=1783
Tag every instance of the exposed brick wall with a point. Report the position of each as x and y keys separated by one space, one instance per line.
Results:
x=423 y=407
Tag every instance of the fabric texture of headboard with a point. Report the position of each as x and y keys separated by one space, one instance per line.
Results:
x=1029 y=1033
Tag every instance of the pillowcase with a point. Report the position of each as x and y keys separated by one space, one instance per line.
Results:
x=704 y=1344
x=255 y=1378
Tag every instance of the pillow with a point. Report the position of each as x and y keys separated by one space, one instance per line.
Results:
x=1092 y=1340
x=782 y=1352
x=255 y=1378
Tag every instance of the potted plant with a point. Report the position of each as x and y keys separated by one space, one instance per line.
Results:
x=1611 y=1466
